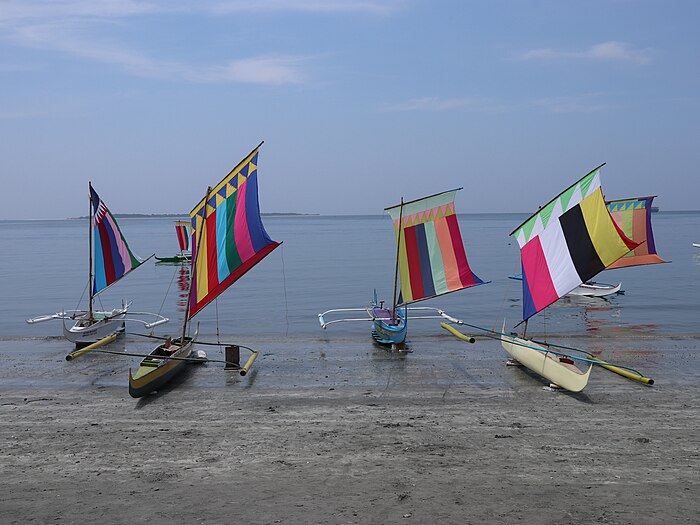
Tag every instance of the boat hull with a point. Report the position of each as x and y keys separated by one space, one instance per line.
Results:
x=175 y=259
x=83 y=333
x=158 y=369
x=550 y=366
x=595 y=289
x=387 y=330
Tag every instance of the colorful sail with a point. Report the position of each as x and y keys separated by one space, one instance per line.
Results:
x=432 y=259
x=566 y=243
x=228 y=236
x=182 y=230
x=112 y=257
x=633 y=217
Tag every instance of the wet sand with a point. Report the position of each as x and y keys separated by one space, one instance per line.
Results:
x=338 y=431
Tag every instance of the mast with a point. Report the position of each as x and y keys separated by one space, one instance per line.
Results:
x=90 y=250
x=185 y=319
x=396 y=268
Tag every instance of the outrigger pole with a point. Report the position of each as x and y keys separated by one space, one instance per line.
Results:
x=396 y=268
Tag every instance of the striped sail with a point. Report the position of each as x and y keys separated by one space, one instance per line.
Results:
x=182 y=230
x=431 y=256
x=112 y=257
x=228 y=236
x=633 y=217
x=566 y=243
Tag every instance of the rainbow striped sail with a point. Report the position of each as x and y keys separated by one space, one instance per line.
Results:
x=182 y=230
x=633 y=217
x=432 y=260
x=112 y=257
x=228 y=236
x=566 y=243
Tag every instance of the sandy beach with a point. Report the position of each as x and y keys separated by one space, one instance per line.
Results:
x=349 y=433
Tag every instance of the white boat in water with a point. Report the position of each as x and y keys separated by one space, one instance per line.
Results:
x=110 y=260
x=593 y=289
x=588 y=289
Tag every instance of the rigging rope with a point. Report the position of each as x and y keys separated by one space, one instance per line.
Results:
x=284 y=286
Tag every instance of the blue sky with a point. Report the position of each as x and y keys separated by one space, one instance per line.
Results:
x=359 y=102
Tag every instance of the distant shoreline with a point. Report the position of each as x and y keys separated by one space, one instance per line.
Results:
x=180 y=215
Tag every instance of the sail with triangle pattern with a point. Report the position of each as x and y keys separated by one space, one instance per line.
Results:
x=431 y=256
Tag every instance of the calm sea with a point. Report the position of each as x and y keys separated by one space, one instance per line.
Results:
x=335 y=262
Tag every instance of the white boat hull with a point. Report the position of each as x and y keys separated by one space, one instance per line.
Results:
x=564 y=374
x=696 y=244
x=595 y=289
x=84 y=333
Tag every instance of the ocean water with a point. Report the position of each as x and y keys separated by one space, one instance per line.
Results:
x=335 y=262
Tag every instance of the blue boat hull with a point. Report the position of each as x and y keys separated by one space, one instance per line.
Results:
x=388 y=331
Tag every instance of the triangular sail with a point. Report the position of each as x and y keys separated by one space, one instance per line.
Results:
x=182 y=230
x=633 y=217
x=112 y=257
x=228 y=236
x=566 y=243
x=431 y=256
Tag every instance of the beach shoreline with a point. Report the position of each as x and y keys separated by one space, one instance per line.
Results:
x=395 y=439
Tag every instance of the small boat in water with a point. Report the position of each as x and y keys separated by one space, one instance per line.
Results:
x=430 y=261
x=696 y=244
x=587 y=289
x=111 y=259
x=182 y=230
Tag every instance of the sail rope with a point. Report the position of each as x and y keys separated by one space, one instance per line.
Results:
x=284 y=287
x=82 y=295
x=216 y=307
x=168 y=291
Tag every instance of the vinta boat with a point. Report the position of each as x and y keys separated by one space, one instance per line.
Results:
x=111 y=259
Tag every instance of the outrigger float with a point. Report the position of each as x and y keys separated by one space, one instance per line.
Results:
x=430 y=261
x=111 y=259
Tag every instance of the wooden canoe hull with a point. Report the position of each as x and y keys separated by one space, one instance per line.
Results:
x=536 y=358
x=149 y=378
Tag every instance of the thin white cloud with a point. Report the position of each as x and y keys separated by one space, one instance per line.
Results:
x=605 y=51
x=444 y=104
x=309 y=6
x=81 y=28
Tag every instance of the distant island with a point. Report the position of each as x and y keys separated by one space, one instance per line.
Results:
x=179 y=215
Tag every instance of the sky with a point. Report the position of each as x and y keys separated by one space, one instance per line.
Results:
x=359 y=102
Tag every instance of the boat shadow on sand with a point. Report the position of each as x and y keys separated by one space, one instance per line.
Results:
x=578 y=396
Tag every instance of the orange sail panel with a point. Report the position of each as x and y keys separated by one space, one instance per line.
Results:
x=228 y=236
x=633 y=217
x=432 y=259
